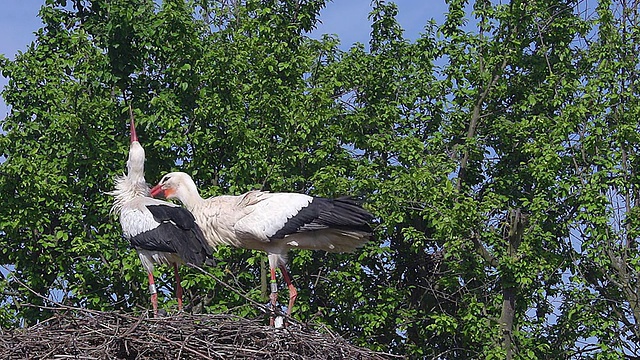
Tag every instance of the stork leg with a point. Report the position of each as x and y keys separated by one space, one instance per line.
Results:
x=293 y=293
x=154 y=294
x=178 y=286
x=273 y=296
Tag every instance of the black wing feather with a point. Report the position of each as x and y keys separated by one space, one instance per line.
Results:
x=162 y=238
x=180 y=216
x=321 y=213
x=177 y=233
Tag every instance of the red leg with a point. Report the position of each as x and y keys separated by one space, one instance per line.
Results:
x=293 y=293
x=273 y=296
x=178 y=286
x=154 y=295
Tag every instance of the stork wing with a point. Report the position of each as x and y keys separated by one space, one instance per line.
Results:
x=166 y=237
x=262 y=216
x=179 y=216
x=177 y=232
x=265 y=215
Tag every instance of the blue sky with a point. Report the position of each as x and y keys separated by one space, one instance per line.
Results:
x=346 y=18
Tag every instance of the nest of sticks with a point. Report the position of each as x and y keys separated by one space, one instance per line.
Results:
x=86 y=334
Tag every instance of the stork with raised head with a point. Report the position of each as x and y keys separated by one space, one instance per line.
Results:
x=160 y=231
x=272 y=222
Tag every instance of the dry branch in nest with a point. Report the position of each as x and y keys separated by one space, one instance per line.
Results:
x=85 y=334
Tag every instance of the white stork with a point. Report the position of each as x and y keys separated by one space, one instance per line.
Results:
x=161 y=232
x=272 y=222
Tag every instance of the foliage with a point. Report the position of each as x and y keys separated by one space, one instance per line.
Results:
x=497 y=152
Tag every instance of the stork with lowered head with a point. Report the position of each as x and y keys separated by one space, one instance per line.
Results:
x=272 y=222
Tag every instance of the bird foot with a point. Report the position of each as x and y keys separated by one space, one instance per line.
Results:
x=275 y=320
x=279 y=322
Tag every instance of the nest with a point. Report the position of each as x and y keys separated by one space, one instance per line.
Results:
x=86 y=334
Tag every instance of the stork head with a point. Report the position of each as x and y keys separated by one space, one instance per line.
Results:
x=135 y=163
x=176 y=185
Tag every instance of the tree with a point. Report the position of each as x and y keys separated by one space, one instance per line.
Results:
x=59 y=143
x=461 y=154
x=604 y=148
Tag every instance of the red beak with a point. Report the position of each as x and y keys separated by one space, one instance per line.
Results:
x=157 y=191
x=134 y=136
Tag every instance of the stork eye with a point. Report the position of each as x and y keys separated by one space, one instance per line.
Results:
x=165 y=179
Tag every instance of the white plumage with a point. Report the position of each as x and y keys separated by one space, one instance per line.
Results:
x=272 y=222
x=161 y=232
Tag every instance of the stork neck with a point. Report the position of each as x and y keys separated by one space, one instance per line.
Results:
x=189 y=195
x=191 y=200
x=136 y=175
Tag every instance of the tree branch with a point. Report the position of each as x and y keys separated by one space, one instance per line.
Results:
x=482 y=250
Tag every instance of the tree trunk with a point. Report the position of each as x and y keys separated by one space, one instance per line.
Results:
x=509 y=290
x=506 y=319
